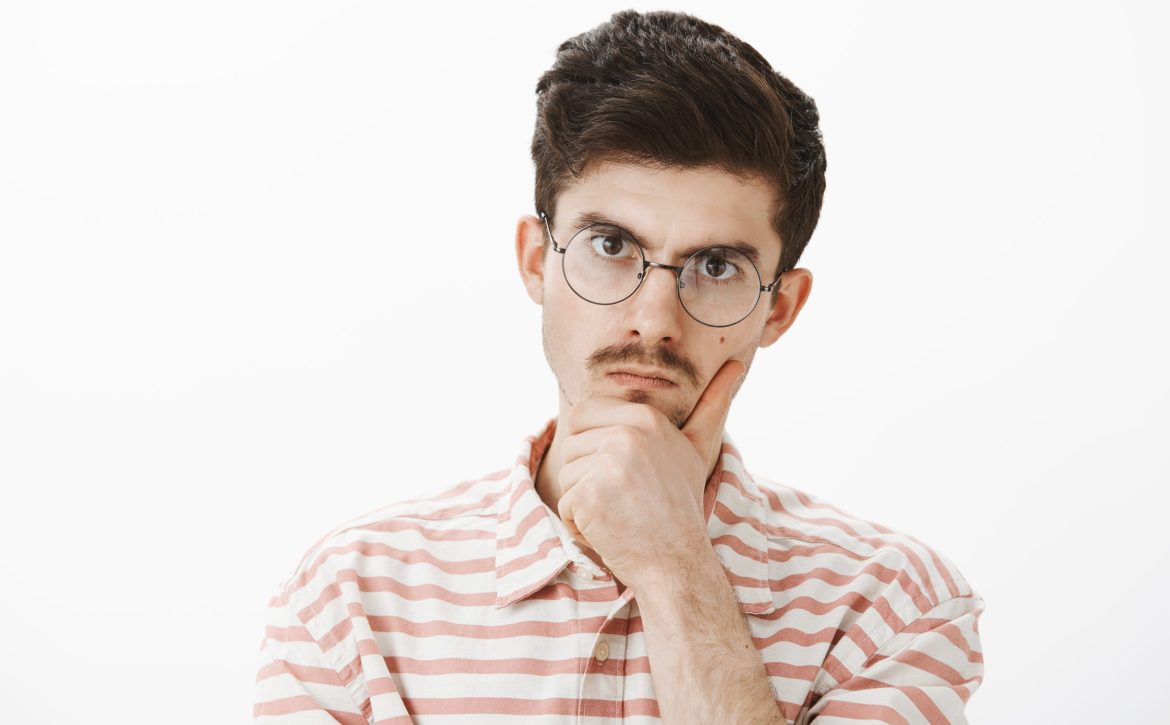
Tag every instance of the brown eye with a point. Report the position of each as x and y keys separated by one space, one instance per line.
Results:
x=717 y=267
x=606 y=244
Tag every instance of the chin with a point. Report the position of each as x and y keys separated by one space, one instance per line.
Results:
x=674 y=413
x=677 y=413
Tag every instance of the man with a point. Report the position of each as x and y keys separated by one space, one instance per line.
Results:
x=627 y=565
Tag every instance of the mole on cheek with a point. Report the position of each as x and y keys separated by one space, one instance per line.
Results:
x=720 y=339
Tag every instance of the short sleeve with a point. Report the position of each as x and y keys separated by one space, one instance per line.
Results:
x=295 y=685
x=925 y=673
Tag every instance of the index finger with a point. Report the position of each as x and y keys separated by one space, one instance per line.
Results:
x=704 y=427
x=607 y=410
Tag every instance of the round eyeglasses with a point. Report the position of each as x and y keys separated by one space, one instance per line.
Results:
x=604 y=264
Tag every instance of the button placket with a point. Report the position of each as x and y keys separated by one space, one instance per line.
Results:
x=603 y=680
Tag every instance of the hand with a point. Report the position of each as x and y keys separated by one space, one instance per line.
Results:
x=632 y=483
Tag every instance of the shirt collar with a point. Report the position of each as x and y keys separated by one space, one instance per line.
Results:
x=533 y=546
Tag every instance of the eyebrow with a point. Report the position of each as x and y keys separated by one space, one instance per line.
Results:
x=587 y=218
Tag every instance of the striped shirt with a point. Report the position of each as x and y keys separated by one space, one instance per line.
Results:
x=475 y=605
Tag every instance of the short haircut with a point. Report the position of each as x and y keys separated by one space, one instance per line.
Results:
x=667 y=89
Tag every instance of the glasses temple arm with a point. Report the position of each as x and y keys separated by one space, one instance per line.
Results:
x=768 y=287
x=556 y=248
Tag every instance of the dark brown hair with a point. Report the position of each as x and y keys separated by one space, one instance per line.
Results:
x=670 y=90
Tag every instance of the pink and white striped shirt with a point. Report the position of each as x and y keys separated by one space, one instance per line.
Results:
x=475 y=605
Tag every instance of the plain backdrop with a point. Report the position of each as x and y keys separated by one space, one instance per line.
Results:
x=257 y=279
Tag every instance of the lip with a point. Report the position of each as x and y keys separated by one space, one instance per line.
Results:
x=641 y=379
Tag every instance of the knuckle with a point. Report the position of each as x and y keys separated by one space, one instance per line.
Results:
x=628 y=436
x=623 y=439
x=611 y=465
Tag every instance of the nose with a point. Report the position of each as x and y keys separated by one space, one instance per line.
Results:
x=655 y=313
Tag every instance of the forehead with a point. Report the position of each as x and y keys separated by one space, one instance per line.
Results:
x=676 y=206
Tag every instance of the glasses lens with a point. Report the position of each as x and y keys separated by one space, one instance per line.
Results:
x=602 y=264
x=719 y=286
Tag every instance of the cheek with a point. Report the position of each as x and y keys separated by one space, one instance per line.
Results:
x=724 y=347
x=572 y=330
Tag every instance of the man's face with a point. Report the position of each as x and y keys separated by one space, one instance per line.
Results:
x=668 y=211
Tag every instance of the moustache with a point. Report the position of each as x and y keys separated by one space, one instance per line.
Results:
x=632 y=352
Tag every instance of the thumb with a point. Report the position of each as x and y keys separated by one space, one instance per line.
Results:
x=704 y=427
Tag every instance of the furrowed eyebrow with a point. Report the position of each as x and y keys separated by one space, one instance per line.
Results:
x=587 y=218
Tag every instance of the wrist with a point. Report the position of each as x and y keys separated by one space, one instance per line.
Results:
x=692 y=570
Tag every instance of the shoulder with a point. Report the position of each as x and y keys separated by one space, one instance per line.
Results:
x=453 y=524
x=884 y=580
x=878 y=587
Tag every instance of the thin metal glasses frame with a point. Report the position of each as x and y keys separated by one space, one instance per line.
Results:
x=647 y=264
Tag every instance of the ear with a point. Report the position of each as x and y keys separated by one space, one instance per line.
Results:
x=795 y=286
x=530 y=243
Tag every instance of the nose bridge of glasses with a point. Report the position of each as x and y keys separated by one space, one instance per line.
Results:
x=647 y=264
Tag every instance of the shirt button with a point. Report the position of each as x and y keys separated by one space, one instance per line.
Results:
x=602 y=652
x=585 y=574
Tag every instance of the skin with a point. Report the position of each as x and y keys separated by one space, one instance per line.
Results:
x=652 y=451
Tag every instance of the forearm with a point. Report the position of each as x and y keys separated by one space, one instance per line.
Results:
x=705 y=666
